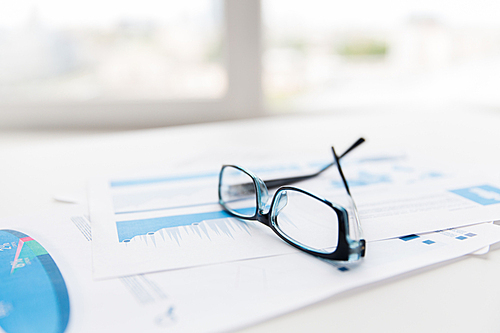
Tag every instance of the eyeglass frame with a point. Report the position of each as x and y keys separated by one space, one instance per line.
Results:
x=347 y=249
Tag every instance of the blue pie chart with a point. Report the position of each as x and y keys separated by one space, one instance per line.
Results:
x=33 y=294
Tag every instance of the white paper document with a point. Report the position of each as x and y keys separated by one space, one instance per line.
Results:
x=212 y=298
x=154 y=223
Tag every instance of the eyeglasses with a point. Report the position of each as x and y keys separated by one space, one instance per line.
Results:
x=302 y=219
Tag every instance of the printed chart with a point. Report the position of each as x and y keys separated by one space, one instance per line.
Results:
x=33 y=294
x=176 y=222
x=219 y=222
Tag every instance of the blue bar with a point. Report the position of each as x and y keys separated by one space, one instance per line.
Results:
x=409 y=237
x=145 y=181
x=483 y=195
x=133 y=182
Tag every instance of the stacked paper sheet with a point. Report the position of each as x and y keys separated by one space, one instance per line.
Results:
x=160 y=252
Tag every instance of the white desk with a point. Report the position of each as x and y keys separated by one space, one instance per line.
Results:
x=463 y=296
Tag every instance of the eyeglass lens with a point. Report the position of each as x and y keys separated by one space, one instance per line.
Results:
x=300 y=217
x=237 y=192
x=306 y=221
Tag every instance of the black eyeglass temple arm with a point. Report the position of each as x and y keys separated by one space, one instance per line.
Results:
x=273 y=183
x=337 y=158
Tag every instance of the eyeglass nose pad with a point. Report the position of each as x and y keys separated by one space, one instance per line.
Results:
x=263 y=194
x=282 y=201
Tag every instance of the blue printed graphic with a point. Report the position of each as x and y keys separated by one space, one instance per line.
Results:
x=409 y=237
x=167 y=179
x=366 y=178
x=461 y=237
x=33 y=294
x=483 y=195
x=129 y=229
x=148 y=181
x=428 y=242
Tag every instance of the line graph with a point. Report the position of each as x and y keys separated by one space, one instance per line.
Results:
x=198 y=224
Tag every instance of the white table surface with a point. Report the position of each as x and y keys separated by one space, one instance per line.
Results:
x=463 y=296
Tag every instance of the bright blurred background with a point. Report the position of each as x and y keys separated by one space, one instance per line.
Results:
x=52 y=50
x=153 y=63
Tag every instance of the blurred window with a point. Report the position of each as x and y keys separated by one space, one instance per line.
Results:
x=326 y=55
x=154 y=63
x=54 y=50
